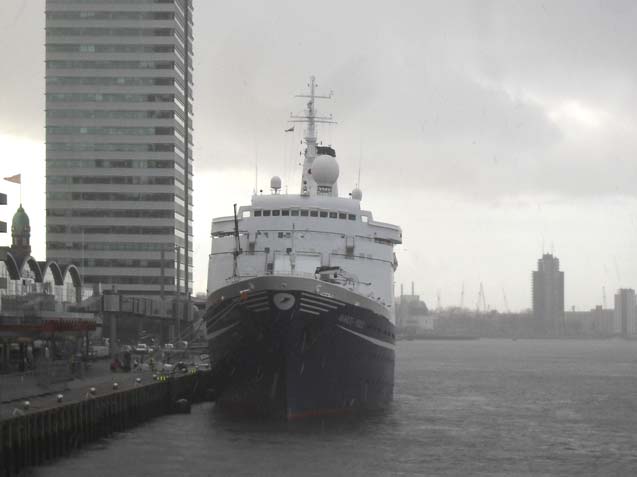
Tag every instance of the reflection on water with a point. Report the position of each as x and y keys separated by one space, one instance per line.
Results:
x=474 y=407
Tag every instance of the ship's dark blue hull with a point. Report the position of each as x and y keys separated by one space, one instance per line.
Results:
x=296 y=354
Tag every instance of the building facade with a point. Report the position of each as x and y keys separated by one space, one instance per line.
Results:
x=548 y=296
x=625 y=315
x=119 y=142
x=23 y=277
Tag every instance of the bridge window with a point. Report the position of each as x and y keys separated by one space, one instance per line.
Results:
x=351 y=217
x=266 y=213
x=304 y=213
x=313 y=213
x=276 y=213
x=285 y=212
x=323 y=214
x=333 y=215
x=341 y=215
x=257 y=213
x=294 y=213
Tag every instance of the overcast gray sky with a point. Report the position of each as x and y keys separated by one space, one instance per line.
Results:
x=488 y=130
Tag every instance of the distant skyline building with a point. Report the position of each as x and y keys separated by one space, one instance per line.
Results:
x=548 y=295
x=625 y=315
x=119 y=142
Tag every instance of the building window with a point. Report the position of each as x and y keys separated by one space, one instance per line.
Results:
x=313 y=213
x=257 y=213
x=351 y=217
x=341 y=215
x=333 y=215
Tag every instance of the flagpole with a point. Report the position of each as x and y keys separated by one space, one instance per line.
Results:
x=17 y=179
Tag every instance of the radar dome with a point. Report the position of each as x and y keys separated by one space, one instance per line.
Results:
x=325 y=170
x=275 y=183
x=357 y=194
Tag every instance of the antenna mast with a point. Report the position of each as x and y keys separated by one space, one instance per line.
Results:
x=310 y=117
x=237 y=245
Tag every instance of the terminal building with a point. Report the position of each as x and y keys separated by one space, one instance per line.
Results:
x=38 y=299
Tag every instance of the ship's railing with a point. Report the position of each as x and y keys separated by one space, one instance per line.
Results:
x=297 y=274
x=239 y=278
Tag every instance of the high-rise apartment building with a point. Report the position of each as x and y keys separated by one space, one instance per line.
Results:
x=625 y=313
x=548 y=295
x=119 y=141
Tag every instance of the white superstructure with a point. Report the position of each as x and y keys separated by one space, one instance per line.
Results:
x=314 y=233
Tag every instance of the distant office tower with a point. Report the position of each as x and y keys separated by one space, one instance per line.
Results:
x=548 y=295
x=118 y=119
x=625 y=315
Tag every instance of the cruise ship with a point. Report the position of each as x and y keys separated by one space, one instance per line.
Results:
x=300 y=313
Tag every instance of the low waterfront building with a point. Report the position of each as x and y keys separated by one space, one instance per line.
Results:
x=412 y=313
x=596 y=322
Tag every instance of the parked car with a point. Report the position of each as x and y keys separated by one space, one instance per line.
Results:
x=99 y=351
x=141 y=348
x=167 y=367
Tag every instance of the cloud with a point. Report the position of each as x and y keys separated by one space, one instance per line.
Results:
x=480 y=126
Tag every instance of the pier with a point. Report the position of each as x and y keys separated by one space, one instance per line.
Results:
x=48 y=429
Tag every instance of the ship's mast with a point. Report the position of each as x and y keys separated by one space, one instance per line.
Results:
x=308 y=186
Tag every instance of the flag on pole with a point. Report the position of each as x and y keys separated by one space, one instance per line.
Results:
x=15 y=179
x=290 y=129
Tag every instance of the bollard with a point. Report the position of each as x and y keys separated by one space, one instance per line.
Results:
x=115 y=386
x=59 y=398
x=182 y=406
x=211 y=394
x=138 y=381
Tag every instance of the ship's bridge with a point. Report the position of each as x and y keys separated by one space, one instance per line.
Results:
x=336 y=214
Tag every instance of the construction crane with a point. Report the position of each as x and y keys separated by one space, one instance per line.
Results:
x=604 y=298
x=482 y=301
x=506 y=302
x=462 y=296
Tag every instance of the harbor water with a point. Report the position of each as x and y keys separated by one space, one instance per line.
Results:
x=483 y=407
